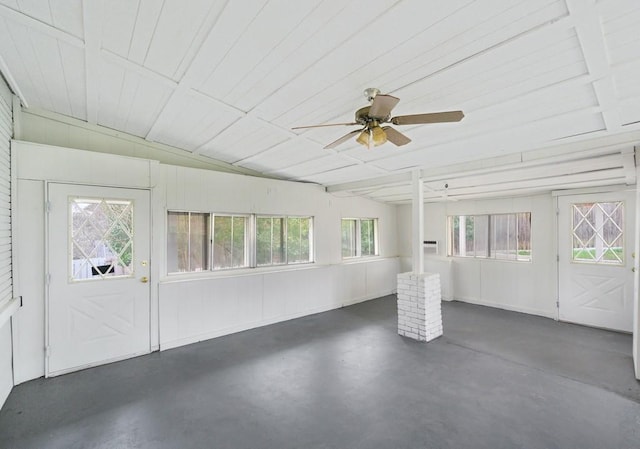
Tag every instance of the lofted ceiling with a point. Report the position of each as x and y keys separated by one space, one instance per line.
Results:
x=549 y=87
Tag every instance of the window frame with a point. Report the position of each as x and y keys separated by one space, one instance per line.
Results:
x=285 y=249
x=208 y=259
x=358 y=237
x=247 y=240
x=250 y=241
x=490 y=253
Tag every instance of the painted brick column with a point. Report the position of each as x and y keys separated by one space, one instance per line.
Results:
x=419 y=310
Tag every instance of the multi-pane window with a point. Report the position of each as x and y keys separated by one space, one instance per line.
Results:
x=229 y=241
x=298 y=239
x=188 y=242
x=283 y=240
x=270 y=238
x=359 y=237
x=498 y=236
x=205 y=241
x=597 y=233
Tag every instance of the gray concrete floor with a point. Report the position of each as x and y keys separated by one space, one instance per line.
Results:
x=345 y=379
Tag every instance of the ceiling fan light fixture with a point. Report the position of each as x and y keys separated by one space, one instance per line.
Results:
x=363 y=138
x=378 y=136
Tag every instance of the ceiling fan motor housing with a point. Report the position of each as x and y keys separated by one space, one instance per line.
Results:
x=362 y=115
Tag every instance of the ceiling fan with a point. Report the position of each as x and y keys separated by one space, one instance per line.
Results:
x=371 y=117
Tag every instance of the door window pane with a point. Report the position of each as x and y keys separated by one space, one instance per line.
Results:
x=101 y=238
x=597 y=233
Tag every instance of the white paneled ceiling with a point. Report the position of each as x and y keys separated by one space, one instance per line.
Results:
x=549 y=88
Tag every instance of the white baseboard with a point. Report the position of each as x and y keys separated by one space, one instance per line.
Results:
x=265 y=322
x=512 y=308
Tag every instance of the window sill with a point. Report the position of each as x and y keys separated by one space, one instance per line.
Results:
x=484 y=259
x=236 y=272
x=364 y=259
x=240 y=272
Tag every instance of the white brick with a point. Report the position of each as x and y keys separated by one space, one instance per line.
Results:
x=419 y=310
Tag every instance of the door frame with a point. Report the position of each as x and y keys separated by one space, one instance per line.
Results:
x=47 y=283
x=630 y=233
x=636 y=262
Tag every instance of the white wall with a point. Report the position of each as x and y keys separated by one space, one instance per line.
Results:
x=192 y=307
x=520 y=286
x=6 y=371
x=6 y=353
x=231 y=301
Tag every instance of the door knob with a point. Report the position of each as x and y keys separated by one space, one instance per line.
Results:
x=144 y=279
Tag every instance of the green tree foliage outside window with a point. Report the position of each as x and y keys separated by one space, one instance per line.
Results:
x=282 y=240
x=349 y=238
x=205 y=241
x=359 y=237
x=298 y=240
x=101 y=237
x=367 y=237
x=229 y=241
x=188 y=242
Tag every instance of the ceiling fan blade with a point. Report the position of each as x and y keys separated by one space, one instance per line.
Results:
x=343 y=139
x=328 y=124
x=395 y=137
x=435 y=117
x=382 y=106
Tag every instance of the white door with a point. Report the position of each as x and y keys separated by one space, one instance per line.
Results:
x=98 y=263
x=595 y=244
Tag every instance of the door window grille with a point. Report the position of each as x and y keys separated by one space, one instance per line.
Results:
x=597 y=233
x=101 y=243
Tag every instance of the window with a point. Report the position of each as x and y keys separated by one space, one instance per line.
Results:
x=298 y=240
x=359 y=237
x=597 y=233
x=270 y=241
x=206 y=241
x=498 y=236
x=188 y=242
x=283 y=240
x=229 y=241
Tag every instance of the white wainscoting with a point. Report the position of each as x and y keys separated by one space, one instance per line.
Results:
x=196 y=310
x=6 y=373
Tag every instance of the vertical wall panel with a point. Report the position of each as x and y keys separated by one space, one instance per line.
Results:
x=6 y=131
